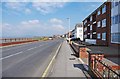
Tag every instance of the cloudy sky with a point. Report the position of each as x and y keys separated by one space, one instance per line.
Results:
x=27 y=19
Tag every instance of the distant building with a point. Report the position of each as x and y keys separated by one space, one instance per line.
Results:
x=97 y=25
x=78 y=31
x=115 y=25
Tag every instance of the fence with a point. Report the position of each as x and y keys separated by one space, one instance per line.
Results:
x=6 y=40
x=11 y=41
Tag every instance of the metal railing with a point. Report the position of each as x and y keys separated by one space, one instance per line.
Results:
x=104 y=70
x=6 y=40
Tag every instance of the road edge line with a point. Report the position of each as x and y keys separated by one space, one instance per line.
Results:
x=46 y=70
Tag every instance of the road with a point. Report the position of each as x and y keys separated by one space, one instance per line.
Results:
x=28 y=60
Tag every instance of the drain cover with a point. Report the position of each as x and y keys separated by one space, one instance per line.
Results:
x=71 y=58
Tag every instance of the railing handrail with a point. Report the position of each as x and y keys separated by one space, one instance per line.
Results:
x=107 y=67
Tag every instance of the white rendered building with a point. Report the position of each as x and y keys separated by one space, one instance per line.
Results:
x=78 y=31
x=115 y=23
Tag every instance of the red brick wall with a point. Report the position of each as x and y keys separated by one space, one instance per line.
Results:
x=83 y=53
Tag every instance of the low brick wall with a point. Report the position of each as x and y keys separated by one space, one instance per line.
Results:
x=83 y=53
x=80 y=50
x=18 y=42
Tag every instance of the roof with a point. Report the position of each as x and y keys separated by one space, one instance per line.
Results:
x=79 y=25
x=95 y=10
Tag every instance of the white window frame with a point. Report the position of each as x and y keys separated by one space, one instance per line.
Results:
x=98 y=34
x=90 y=27
x=98 y=24
x=104 y=9
x=90 y=18
x=104 y=23
x=104 y=37
x=91 y=35
x=98 y=13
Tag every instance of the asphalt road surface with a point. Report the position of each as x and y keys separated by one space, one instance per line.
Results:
x=28 y=60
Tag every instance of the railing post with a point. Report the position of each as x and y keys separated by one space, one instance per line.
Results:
x=5 y=40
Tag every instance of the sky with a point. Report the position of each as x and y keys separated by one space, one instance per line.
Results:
x=28 y=19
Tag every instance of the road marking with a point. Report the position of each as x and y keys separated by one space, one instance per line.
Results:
x=11 y=55
x=17 y=53
x=46 y=70
x=19 y=45
x=31 y=48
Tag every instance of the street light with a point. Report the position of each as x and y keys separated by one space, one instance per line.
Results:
x=69 y=28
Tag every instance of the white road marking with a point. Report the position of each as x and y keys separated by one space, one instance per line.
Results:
x=19 y=52
x=19 y=45
x=30 y=48
x=11 y=55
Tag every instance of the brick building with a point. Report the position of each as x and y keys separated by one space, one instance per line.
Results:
x=97 y=25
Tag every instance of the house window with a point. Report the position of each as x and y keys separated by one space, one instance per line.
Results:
x=119 y=18
x=98 y=24
x=113 y=20
x=98 y=13
x=104 y=9
x=85 y=29
x=80 y=30
x=115 y=37
x=116 y=3
x=84 y=36
x=91 y=18
x=113 y=4
x=104 y=23
x=91 y=27
x=98 y=36
x=104 y=36
x=91 y=36
x=116 y=19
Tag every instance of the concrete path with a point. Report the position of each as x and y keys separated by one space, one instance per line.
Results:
x=67 y=65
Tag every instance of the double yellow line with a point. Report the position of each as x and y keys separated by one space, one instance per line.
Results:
x=46 y=70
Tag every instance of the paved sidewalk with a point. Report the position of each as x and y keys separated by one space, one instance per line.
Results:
x=67 y=65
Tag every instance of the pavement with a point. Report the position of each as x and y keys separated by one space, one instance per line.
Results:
x=28 y=60
x=67 y=65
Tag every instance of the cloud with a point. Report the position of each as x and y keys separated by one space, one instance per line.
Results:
x=30 y=22
x=42 y=7
x=55 y=0
x=32 y=28
x=58 y=27
x=47 y=7
x=15 y=5
x=27 y=11
x=37 y=0
x=56 y=21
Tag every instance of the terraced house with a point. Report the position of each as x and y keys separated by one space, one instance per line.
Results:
x=97 y=25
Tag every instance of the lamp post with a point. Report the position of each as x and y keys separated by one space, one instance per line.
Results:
x=69 y=28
